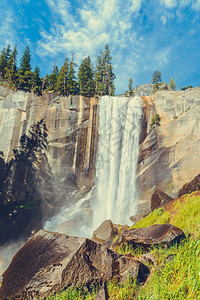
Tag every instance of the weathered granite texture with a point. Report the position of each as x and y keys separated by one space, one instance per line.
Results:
x=72 y=130
x=169 y=153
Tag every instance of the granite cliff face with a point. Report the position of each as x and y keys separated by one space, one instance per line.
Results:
x=72 y=130
x=169 y=153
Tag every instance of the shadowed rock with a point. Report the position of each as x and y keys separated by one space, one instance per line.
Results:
x=50 y=261
x=102 y=294
x=159 y=198
x=190 y=187
x=164 y=234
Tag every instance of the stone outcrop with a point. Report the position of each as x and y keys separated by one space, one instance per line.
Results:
x=169 y=153
x=49 y=261
x=34 y=188
x=158 y=234
x=105 y=232
x=158 y=199
x=190 y=187
x=72 y=131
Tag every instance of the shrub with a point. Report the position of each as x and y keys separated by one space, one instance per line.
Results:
x=155 y=120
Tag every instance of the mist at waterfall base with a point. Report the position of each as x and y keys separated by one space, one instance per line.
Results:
x=115 y=194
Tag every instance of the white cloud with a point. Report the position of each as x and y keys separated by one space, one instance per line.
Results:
x=7 y=28
x=166 y=16
x=94 y=25
x=169 y=3
x=196 y=4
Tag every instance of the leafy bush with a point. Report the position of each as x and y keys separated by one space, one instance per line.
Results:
x=155 y=120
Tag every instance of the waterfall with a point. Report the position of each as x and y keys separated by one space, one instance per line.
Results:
x=117 y=156
x=116 y=197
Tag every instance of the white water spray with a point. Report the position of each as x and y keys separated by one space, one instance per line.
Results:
x=117 y=157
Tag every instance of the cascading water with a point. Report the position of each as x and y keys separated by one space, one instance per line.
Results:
x=118 y=145
x=117 y=156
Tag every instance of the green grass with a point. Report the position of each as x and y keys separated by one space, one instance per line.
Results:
x=75 y=293
x=158 y=216
x=177 y=279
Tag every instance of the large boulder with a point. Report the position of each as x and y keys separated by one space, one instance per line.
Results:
x=164 y=234
x=50 y=261
x=105 y=232
x=159 y=198
x=190 y=187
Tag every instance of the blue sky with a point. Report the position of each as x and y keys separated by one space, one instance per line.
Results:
x=143 y=35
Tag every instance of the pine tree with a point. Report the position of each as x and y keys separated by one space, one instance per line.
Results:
x=24 y=74
x=130 y=87
x=156 y=77
x=4 y=58
x=71 y=80
x=85 y=78
x=104 y=76
x=36 y=81
x=61 y=85
x=25 y=64
x=11 y=68
x=53 y=79
x=172 y=85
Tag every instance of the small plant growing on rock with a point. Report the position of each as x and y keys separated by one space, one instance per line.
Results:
x=155 y=121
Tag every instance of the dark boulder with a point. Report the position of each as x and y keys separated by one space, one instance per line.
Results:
x=164 y=234
x=50 y=261
x=159 y=198
x=190 y=187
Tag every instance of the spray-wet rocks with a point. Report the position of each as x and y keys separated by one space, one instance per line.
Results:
x=49 y=261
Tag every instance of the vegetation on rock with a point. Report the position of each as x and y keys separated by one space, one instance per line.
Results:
x=155 y=120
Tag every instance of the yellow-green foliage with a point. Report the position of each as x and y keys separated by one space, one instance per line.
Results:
x=75 y=293
x=158 y=216
x=187 y=214
x=177 y=279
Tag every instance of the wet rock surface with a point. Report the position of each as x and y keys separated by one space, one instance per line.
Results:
x=49 y=261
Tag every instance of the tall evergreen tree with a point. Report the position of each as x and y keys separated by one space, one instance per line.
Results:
x=53 y=79
x=172 y=85
x=61 y=85
x=4 y=58
x=104 y=76
x=11 y=68
x=130 y=87
x=71 y=80
x=85 y=78
x=36 y=81
x=24 y=73
x=25 y=63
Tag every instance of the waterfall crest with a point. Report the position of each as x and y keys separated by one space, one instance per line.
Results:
x=117 y=157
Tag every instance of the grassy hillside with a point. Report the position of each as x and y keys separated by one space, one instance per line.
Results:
x=176 y=273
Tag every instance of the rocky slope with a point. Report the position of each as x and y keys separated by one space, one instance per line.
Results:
x=169 y=153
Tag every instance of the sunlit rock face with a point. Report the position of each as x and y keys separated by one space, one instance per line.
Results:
x=169 y=153
x=72 y=130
